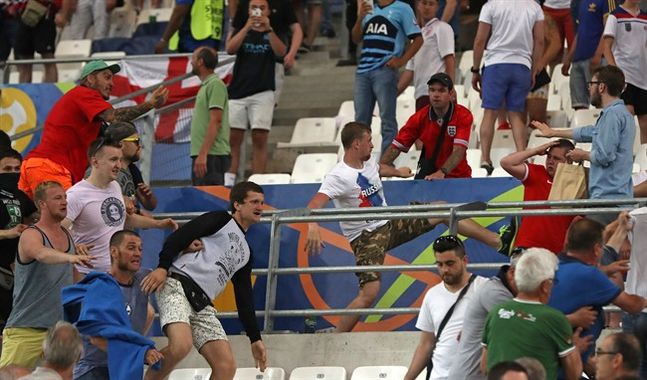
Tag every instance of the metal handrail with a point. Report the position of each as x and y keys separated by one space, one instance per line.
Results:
x=36 y=61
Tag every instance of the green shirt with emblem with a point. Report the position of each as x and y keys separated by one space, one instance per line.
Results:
x=519 y=328
x=212 y=94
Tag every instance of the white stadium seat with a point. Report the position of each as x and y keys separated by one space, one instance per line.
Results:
x=347 y=110
x=271 y=373
x=500 y=172
x=160 y=15
x=312 y=167
x=270 y=178
x=190 y=374
x=318 y=373
x=503 y=139
x=582 y=118
x=72 y=49
x=122 y=22
x=313 y=131
x=379 y=373
x=497 y=154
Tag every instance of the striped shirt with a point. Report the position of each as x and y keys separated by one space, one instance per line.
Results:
x=386 y=32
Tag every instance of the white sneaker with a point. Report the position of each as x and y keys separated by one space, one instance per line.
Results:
x=230 y=179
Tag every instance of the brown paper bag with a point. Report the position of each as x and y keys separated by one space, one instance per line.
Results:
x=570 y=182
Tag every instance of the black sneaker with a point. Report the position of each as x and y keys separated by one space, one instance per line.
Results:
x=304 y=49
x=507 y=234
x=488 y=167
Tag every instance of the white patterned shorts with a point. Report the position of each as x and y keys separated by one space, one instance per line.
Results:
x=174 y=307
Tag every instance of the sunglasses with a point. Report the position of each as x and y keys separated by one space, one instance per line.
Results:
x=447 y=243
x=134 y=140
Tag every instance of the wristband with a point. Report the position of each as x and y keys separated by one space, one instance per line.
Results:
x=475 y=70
x=444 y=170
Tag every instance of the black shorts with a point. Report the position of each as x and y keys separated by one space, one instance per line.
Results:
x=40 y=38
x=7 y=36
x=216 y=168
x=636 y=97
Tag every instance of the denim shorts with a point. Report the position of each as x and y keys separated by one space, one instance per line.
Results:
x=505 y=82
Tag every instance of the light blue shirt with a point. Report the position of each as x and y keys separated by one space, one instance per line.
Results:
x=611 y=158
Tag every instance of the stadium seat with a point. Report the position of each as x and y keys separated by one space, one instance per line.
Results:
x=474 y=158
x=478 y=173
x=635 y=169
x=497 y=154
x=582 y=118
x=500 y=172
x=503 y=139
x=318 y=373
x=641 y=157
x=408 y=93
x=557 y=119
x=122 y=22
x=270 y=373
x=72 y=49
x=270 y=178
x=557 y=78
x=554 y=102
x=404 y=109
x=474 y=100
x=460 y=92
x=313 y=130
x=637 y=141
x=190 y=374
x=68 y=75
x=312 y=167
x=565 y=92
x=465 y=63
x=379 y=372
x=409 y=159
x=347 y=109
x=160 y=15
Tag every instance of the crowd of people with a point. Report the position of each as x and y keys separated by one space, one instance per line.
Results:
x=71 y=205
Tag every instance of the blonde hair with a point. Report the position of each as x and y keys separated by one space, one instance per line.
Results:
x=41 y=189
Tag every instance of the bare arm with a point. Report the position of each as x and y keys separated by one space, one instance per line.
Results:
x=391 y=154
x=553 y=47
x=547 y=131
x=450 y=66
x=177 y=17
x=630 y=303
x=390 y=171
x=314 y=243
x=450 y=9
x=538 y=46
x=411 y=50
x=363 y=8
x=572 y=365
x=30 y=247
x=215 y=121
x=515 y=163
x=457 y=155
x=234 y=41
x=157 y=99
x=140 y=221
x=607 y=42
x=482 y=35
x=12 y=233
x=483 y=363
x=295 y=42
x=405 y=80
x=278 y=47
x=640 y=190
x=421 y=355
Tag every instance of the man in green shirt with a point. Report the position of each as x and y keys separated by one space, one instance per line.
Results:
x=210 y=152
x=526 y=326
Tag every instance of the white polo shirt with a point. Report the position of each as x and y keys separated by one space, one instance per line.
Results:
x=438 y=43
x=630 y=44
x=511 y=39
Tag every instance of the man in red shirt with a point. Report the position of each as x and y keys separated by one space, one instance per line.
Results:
x=73 y=123
x=540 y=231
x=444 y=128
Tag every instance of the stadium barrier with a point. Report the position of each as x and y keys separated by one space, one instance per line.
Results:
x=452 y=212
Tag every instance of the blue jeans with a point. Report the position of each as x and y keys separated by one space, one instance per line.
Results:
x=99 y=373
x=636 y=324
x=580 y=77
x=377 y=85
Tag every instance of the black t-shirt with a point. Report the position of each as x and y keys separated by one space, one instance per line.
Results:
x=136 y=173
x=281 y=18
x=14 y=208
x=254 y=66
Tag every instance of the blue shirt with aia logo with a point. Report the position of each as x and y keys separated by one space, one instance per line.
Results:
x=386 y=32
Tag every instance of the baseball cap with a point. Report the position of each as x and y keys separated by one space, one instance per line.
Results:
x=98 y=65
x=443 y=79
x=120 y=130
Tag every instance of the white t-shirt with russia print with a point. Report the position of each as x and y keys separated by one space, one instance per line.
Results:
x=96 y=214
x=349 y=187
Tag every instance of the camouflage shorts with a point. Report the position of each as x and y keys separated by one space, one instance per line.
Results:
x=370 y=247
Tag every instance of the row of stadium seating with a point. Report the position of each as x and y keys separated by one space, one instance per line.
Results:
x=301 y=373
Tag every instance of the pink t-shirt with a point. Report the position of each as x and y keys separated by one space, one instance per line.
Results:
x=96 y=214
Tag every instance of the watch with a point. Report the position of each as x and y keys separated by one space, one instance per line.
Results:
x=475 y=70
x=444 y=170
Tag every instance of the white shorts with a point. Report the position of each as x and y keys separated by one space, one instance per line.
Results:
x=255 y=111
x=174 y=307
x=279 y=78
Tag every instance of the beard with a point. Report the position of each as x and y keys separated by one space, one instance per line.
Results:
x=452 y=279
x=596 y=100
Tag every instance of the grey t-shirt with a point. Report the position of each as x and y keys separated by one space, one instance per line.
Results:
x=466 y=363
x=136 y=303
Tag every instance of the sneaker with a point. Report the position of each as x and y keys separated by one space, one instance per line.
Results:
x=488 y=167
x=304 y=49
x=507 y=234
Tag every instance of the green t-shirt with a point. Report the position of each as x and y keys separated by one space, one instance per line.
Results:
x=518 y=328
x=212 y=94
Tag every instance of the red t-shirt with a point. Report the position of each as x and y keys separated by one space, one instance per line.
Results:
x=70 y=127
x=421 y=126
x=541 y=231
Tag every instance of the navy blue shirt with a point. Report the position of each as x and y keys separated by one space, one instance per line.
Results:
x=590 y=25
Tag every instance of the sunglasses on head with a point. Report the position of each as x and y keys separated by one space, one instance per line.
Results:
x=447 y=243
x=134 y=140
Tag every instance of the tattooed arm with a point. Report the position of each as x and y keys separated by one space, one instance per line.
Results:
x=157 y=99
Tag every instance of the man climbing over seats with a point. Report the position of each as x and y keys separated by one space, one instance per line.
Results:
x=355 y=182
